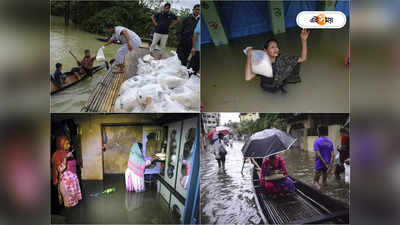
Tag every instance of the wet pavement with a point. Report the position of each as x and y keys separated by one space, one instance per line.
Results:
x=324 y=86
x=227 y=197
x=120 y=207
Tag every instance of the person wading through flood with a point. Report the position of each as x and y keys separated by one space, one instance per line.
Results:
x=185 y=35
x=285 y=68
x=220 y=151
x=130 y=42
x=344 y=151
x=323 y=148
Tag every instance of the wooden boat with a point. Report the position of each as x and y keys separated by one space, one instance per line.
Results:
x=71 y=80
x=306 y=206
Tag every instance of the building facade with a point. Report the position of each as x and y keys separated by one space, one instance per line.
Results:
x=304 y=127
x=249 y=116
x=210 y=120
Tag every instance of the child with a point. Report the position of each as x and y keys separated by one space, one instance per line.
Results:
x=58 y=76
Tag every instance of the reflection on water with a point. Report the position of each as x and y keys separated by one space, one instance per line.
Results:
x=300 y=164
x=227 y=197
x=62 y=40
x=119 y=207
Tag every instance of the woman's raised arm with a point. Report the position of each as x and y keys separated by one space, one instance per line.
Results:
x=303 y=36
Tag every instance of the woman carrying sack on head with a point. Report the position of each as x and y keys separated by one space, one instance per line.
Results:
x=220 y=151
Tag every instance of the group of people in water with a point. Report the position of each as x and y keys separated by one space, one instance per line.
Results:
x=272 y=171
x=188 y=35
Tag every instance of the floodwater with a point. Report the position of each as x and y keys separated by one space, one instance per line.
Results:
x=120 y=207
x=324 y=86
x=71 y=38
x=227 y=196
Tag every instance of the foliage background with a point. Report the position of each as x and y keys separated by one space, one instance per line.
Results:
x=135 y=15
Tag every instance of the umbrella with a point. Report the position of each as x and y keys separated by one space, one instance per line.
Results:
x=267 y=142
x=220 y=129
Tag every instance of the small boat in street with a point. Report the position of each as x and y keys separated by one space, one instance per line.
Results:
x=306 y=206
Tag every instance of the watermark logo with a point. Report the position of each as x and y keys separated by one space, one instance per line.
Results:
x=321 y=19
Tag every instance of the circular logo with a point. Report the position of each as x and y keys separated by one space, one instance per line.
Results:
x=321 y=19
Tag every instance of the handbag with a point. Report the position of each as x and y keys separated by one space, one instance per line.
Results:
x=222 y=151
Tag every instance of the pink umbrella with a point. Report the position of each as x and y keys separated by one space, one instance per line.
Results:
x=213 y=134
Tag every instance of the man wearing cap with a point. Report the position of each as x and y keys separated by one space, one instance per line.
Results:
x=129 y=40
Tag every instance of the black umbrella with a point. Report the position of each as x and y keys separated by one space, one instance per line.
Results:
x=267 y=142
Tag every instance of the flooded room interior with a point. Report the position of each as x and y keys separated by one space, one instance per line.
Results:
x=102 y=148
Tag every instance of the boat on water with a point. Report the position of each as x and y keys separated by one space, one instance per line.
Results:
x=306 y=206
x=71 y=80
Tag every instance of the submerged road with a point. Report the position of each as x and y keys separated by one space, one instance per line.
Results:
x=227 y=197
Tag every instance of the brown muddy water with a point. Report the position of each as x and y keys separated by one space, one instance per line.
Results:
x=324 y=86
x=71 y=38
x=120 y=207
x=227 y=197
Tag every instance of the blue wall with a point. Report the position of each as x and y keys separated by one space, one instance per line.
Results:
x=243 y=18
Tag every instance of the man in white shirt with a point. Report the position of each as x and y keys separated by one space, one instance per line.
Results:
x=129 y=40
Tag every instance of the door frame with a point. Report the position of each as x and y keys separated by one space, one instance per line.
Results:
x=103 y=125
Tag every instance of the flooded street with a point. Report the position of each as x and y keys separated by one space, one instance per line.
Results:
x=324 y=86
x=227 y=197
x=62 y=40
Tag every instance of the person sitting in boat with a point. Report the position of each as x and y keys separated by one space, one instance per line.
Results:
x=129 y=40
x=285 y=68
x=58 y=77
x=274 y=177
x=86 y=64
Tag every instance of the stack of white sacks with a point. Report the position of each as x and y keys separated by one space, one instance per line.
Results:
x=160 y=86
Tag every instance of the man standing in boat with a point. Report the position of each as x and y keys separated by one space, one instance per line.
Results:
x=130 y=41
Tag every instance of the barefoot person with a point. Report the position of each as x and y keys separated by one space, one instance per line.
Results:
x=285 y=68
x=323 y=148
x=130 y=42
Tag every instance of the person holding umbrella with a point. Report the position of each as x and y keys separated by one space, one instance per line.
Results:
x=220 y=151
